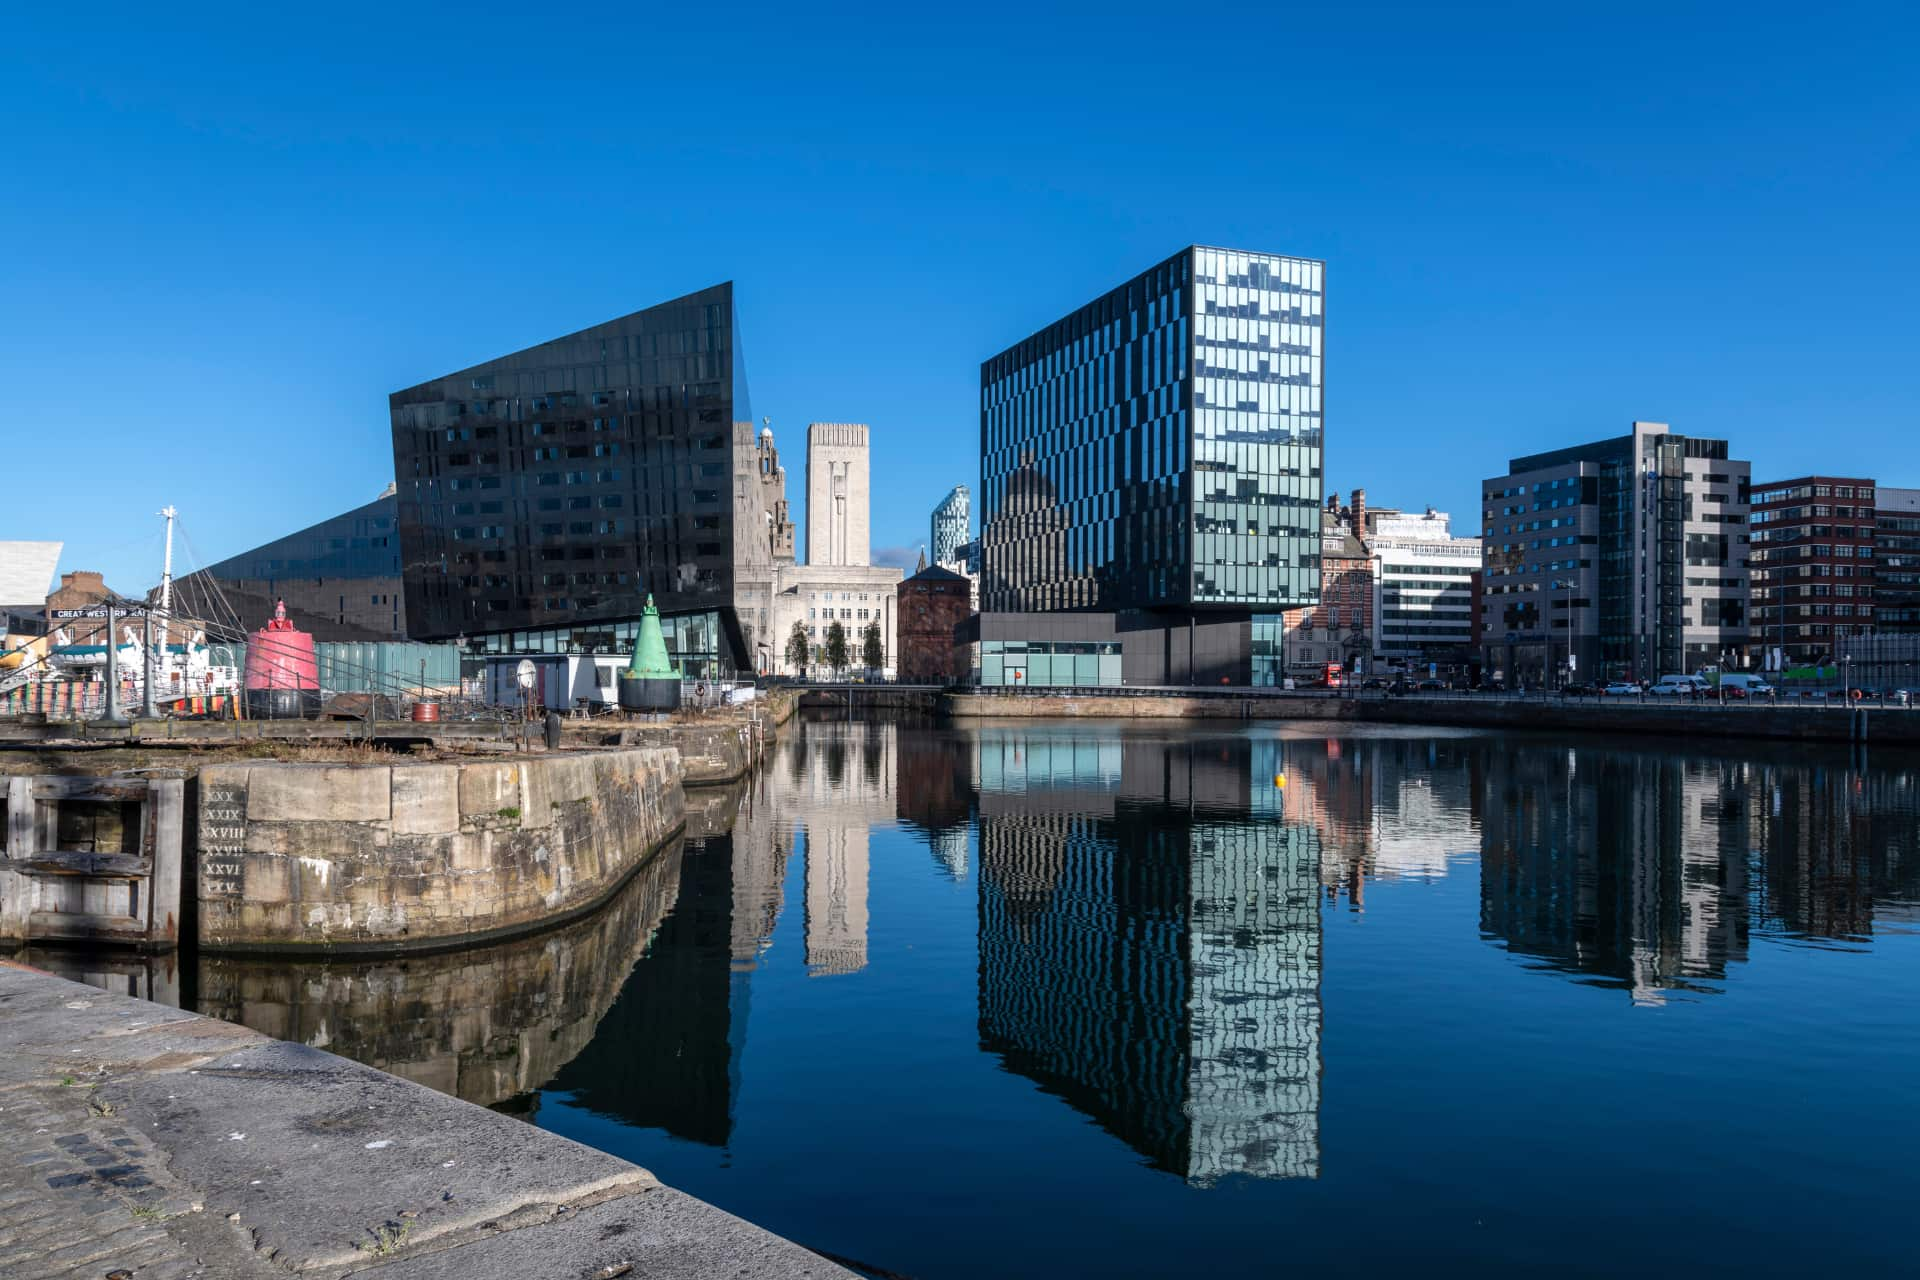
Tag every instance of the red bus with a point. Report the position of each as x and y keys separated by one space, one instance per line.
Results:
x=1334 y=676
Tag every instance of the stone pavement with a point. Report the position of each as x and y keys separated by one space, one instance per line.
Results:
x=144 y=1143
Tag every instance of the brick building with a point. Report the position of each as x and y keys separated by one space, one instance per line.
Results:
x=1813 y=565
x=1340 y=628
x=934 y=605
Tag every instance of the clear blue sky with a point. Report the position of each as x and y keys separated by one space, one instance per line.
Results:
x=227 y=236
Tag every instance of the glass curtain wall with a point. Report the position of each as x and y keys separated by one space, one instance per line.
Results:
x=550 y=491
x=1162 y=445
x=1258 y=414
x=1083 y=455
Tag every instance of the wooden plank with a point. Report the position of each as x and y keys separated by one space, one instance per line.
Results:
x=75 y=788
x=76 y=862
x=16 y=890
x=87 y=924
x=168 y=809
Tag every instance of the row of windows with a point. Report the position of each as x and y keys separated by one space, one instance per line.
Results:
x=1861 y=492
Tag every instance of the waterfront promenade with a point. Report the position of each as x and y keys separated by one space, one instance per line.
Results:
x=153 y=1143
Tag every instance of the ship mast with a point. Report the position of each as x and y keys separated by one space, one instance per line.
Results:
x=166 y=568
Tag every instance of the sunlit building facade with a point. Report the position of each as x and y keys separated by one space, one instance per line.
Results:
x=1158 y=453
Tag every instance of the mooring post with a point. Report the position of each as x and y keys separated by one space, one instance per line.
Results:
x=149 y=707
x=110 y=714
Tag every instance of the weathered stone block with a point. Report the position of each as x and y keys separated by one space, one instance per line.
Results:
x=485 y=789
x=265 y=879
x=343 y=793
x=426 y=798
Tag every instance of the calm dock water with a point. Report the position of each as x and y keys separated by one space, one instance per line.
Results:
x=1074 y=998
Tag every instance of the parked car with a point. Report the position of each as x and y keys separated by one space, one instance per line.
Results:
x=1432 y=686
x=1375 y=683
x=1621 y=689
x=1680 y=687
x=1576 y=689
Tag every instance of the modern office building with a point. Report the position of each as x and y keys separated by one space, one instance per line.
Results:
x=1896 y=553
x=340 y=578
x=1151 y=471
x=1422 y=590
x=544 y=495
x=1813 y=566
x=1626 y=558
x=952 y=526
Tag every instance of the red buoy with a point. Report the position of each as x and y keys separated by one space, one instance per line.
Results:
x=283 y=676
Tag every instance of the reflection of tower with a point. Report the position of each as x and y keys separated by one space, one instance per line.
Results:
x=836 y=898
x=1150 y=946
x=838 y=781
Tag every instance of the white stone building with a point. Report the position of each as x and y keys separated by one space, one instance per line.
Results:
x=839 y=582
x=1422 y=587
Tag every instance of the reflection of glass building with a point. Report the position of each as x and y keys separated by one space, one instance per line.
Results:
x=1156 y=455
x=545 y=494
x=1149 y=953
x=668 y=1053
x=1629 y=866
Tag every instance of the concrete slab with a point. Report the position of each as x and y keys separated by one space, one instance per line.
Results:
x=426 y=799
x=247 y=1151
x=344 y=793
x=485 y=789
x=660 y=1234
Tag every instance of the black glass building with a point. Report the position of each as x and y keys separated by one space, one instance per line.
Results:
x=1160 y=449
x=545 y=494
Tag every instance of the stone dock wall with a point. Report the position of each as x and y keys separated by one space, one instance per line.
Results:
x=358 y=858
x=145 y=1141
x=1881 y=727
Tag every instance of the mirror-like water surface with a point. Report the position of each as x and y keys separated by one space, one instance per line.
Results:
x=1066 y=999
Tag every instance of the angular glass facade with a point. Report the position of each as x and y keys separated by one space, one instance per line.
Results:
x=951 y=527
x=1161 y=446
x=545 y=494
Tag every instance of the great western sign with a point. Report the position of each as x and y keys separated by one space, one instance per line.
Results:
x=98 y=611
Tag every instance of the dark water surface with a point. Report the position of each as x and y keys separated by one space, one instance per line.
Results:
x=1076 y=999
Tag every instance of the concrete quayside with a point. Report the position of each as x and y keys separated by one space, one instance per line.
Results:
x=147 y=1142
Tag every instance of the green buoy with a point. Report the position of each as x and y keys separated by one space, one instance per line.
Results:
x=651 y=682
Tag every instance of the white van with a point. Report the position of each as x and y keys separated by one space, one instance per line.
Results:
x=1741 y=686
x=1681 y=687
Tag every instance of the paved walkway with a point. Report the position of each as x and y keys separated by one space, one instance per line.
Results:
x=144 y=1143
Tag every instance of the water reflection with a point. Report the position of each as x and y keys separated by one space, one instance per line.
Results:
x=669 y=1053
x=1150 y=944
x=907 y=938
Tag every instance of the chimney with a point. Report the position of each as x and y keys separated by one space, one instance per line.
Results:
x=1359 y=511
x=1333 y=503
